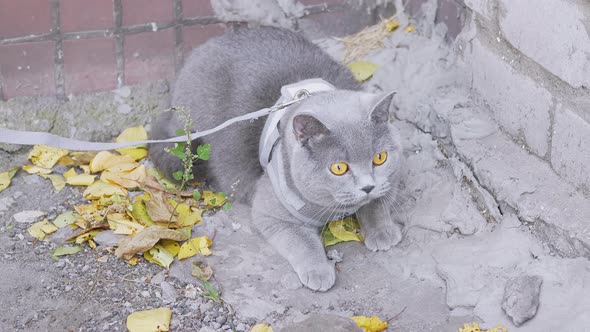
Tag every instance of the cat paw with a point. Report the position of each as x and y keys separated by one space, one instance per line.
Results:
x=383 y=239
x=319 y=277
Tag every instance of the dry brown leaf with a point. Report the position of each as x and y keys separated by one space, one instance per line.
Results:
x=146 y=239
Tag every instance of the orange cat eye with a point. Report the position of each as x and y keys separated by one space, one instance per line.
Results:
x=379 y=158
x=339 y=168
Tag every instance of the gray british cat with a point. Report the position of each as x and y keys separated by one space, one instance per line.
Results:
x=340 y=152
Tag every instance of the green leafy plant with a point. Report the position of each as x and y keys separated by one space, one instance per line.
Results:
x=184 y=152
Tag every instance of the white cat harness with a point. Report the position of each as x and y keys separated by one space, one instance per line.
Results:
x=269 y=149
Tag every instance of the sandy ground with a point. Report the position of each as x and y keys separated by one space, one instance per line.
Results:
x=461 y=246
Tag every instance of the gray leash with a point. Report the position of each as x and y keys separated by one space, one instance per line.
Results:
x=37 y=138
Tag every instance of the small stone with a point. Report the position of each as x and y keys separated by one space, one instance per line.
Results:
x=68 y=288
x=124 y=91
x=61 y=235
x=335 y=255
x=159 y=278
x=221 y=319
x=215 y=325
x=29 y=217
x=108 y=238
x=60 y=263
x=6 y=203
x=145 y=294
x=203 y=308
x=124 y=109
x=190 y=292
x=206 y=329
x=169 y=293
x=241 y=327
x=85 y=268
x=521 y=298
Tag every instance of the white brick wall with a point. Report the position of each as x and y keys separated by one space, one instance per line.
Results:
x=554 y=33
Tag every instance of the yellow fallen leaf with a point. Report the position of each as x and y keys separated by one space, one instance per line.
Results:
x=123 y=167
x=99 y=189
x=474 y=327
x=146 y=239
x=6 y=178
x=362 y=70
x=347 y=229
x=85 y=168
x=125 y=179
x=69 y=173
x=133 y=260
x=130 y=135
x=261 y=327
x=197 y=245
x=135 y=153
x=57 y=181
x=105 y=159
x=80 y=179
x=133 y=134
x=121 y=223
x=46 y=156
x=214 y=199
x=139 y=213
x=158 y=208
x=36 y=170
x=76 y=158
x=186 y=215
x=40 y=229
x=370 y=324
x=390 y=26
x=163 y=253
x=155 y=320
x=410 y=28
x=87 y=237
x=66 y=219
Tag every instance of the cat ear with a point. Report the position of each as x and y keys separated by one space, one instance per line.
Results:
x=306 y=127
x=380 y=112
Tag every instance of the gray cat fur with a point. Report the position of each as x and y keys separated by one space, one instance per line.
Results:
x=243 y=71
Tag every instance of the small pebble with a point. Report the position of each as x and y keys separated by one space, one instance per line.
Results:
x=221 y=319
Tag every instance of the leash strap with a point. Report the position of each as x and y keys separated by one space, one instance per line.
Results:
x=34 y=138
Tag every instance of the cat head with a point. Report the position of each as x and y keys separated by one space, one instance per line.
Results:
x=343 y=151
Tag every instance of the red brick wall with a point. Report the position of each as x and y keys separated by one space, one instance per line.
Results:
x=68 y=47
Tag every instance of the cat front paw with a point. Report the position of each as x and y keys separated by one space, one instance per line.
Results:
x=320 y=277
x=383 y=238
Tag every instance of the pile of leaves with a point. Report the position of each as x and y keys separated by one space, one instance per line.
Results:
x=126 y=197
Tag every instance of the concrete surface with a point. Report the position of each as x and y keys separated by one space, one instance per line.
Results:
x=483 y=206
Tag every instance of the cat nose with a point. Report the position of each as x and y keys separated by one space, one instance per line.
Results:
x=367 y=189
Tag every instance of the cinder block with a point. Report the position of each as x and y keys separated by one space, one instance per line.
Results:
x=520 y=105
x=149 y=56
x=570 y=149
x=89 y=65
x=28 y=69
x=554 y=33
x=24 y=17
x=78 y=15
